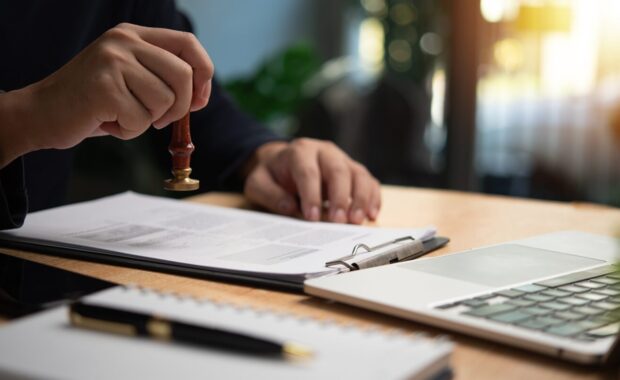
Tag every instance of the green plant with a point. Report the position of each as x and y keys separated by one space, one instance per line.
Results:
x=274 y=91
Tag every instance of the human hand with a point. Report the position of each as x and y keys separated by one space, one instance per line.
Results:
x=130 y=78
x=314 y=171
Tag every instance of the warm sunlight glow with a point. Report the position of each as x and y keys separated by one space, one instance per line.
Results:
x=564 y=47
x=371 y=40
x=498 y=10
x=439 y=97
x=508 y=54
x=548 y=94
x=569 y=60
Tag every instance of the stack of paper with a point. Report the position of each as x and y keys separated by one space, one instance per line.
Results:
x=189 y=236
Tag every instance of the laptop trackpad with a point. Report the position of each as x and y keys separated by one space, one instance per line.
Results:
x=502 y=265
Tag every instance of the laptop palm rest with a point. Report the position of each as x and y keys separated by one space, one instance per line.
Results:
x=502 y=265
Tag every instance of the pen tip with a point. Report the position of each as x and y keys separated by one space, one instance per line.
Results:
x=297 y=350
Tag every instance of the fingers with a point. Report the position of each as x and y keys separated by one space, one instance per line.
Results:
x=151 y=91
x=306 y=174
x=353 y=193
x=186 y=47
x=375 y=202
x=366 y=195
x=98 y=132
x=167 y=71
x=262 y=189
x=132 y=117
x=175 y=73
x=303 y=167
x=127 y=79
x=128 y=117
x=336 y=174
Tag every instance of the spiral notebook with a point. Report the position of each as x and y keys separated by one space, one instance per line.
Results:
x=46 y=346
x=208 y=241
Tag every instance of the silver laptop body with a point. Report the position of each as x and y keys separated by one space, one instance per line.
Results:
x=556 y=294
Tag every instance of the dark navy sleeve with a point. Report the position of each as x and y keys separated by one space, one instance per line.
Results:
x=13 y=199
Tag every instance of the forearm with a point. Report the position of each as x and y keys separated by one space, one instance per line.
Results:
x=16 y=119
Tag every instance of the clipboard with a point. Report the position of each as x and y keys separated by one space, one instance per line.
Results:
x=421 y=249
x=212 y=242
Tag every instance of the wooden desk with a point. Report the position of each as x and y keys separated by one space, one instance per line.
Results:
x=470 y=220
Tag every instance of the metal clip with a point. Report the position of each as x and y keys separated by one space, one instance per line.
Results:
x=398 y=253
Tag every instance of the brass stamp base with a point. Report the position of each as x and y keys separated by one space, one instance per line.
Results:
x=181 y=181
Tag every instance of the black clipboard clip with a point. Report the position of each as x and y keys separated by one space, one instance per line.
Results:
x=411 y=249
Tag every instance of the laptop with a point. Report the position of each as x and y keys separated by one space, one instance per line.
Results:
x=557 y=294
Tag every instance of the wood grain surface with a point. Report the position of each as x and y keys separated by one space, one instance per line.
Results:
x=469 y=220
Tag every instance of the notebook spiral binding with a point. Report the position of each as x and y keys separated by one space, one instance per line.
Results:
x=258 y=311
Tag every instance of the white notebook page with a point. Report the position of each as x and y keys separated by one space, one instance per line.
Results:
x=46 y=346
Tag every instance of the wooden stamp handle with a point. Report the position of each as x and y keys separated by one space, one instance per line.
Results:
x=181 y=149
x=181 y=146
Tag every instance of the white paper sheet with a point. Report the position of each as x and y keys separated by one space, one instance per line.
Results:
x=203 y=236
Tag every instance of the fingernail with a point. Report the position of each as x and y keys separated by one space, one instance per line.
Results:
x=313 y=214
x=285 y=206
x=374 y=212
x=357 y=216
x=338 y=215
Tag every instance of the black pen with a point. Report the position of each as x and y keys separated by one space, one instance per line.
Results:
x=120 y=321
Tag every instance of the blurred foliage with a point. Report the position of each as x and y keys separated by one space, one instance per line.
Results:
x=409 y=21
x=274 y=92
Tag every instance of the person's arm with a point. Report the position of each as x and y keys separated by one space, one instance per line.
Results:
x=286 y=177
x=130 y=78
x=233 y=152
x=290 y=178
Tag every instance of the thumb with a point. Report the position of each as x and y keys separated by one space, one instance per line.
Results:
x=262 y=189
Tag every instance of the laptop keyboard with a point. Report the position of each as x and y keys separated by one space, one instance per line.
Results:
x=584 y=306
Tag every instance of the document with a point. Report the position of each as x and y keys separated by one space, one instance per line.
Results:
x=201 y=236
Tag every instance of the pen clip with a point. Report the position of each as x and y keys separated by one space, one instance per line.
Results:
x=393 y=255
